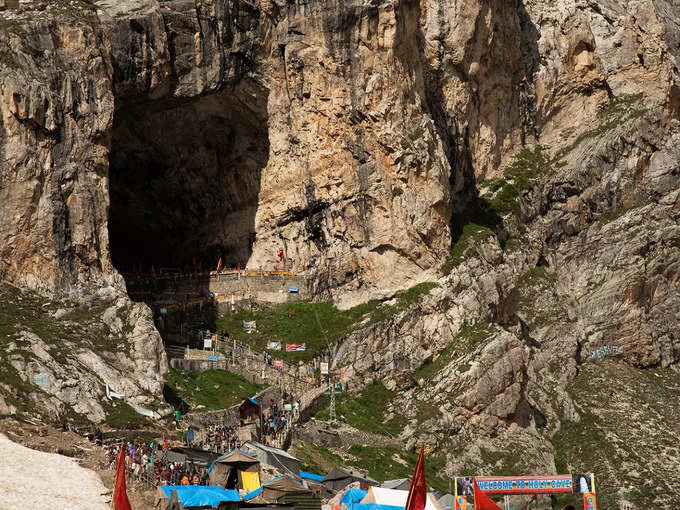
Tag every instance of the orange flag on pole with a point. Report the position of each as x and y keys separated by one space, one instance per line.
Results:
x=417 y=494
x=482 y=501
x=219 y=265
x=120 y=499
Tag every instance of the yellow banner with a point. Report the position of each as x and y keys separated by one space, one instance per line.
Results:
x=251 y=480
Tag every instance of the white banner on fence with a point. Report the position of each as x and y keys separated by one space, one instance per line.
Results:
x=207 y=343
x=274 y=346
x=324 y=368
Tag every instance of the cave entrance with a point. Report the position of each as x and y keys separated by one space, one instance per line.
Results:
x=184 y=179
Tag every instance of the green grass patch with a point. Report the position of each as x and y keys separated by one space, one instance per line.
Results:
x=121 y=415
x=367 y=411
x=475 y=224
x=461 y=249
x=527 y=167
x=315 y=324
x=212 y=389
x=388 y=463
x=315 y=457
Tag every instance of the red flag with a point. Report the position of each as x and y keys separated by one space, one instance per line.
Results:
x=417 y=494
x=120 y=499
x=482 y=501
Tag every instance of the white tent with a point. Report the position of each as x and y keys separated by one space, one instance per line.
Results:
x=394 y=497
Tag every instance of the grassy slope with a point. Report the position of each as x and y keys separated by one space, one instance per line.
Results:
x=626 y=415
x=80 y=327
x=381 y=462
x=366 y=412
x=188 y=391
x=311 y=323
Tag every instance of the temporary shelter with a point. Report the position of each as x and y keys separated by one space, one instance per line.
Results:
x=280 y=459
x=249 y=411
x=447 y=502
x=402 y=484
x=194 y=456
x=393 y=497
x=340 y=478
x=198 y=496
x=235 y=470
x=277 y=487
x=351 y=500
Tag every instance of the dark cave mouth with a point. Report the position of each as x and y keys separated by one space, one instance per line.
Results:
x=184 y=179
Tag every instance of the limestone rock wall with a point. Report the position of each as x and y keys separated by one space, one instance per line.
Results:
x=363 y=138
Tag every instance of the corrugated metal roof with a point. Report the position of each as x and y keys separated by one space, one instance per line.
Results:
x=271 y=449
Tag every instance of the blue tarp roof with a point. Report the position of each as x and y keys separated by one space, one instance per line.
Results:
x=353 y=496
x=254 y=401
x=201 y=495
x=311 y=476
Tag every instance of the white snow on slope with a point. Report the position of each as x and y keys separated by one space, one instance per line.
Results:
x=32 y=479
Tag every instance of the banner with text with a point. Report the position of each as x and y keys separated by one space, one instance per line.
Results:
x=274 y=346
x=324 y=368
x=526 y=484
x=296 y=347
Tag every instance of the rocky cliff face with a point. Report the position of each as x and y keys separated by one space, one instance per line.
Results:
x=528 y=149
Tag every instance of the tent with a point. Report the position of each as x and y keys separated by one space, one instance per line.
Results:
x=197 y=496
x=352 y=496
x=277 y=487
x=249 y=410
x=235 y=470
x=447 y=502
x=402 y=484
x=393 y=497
x=340 y=478
x=194 y=456
x=280 y=459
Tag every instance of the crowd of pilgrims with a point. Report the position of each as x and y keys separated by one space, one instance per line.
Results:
x=215 y=439
x=148 y=462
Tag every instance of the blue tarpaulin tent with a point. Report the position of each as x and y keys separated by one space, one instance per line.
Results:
x=200 y=495
x=252 y=400
x=353 y=496
x=311 y=476
x=352 y=499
